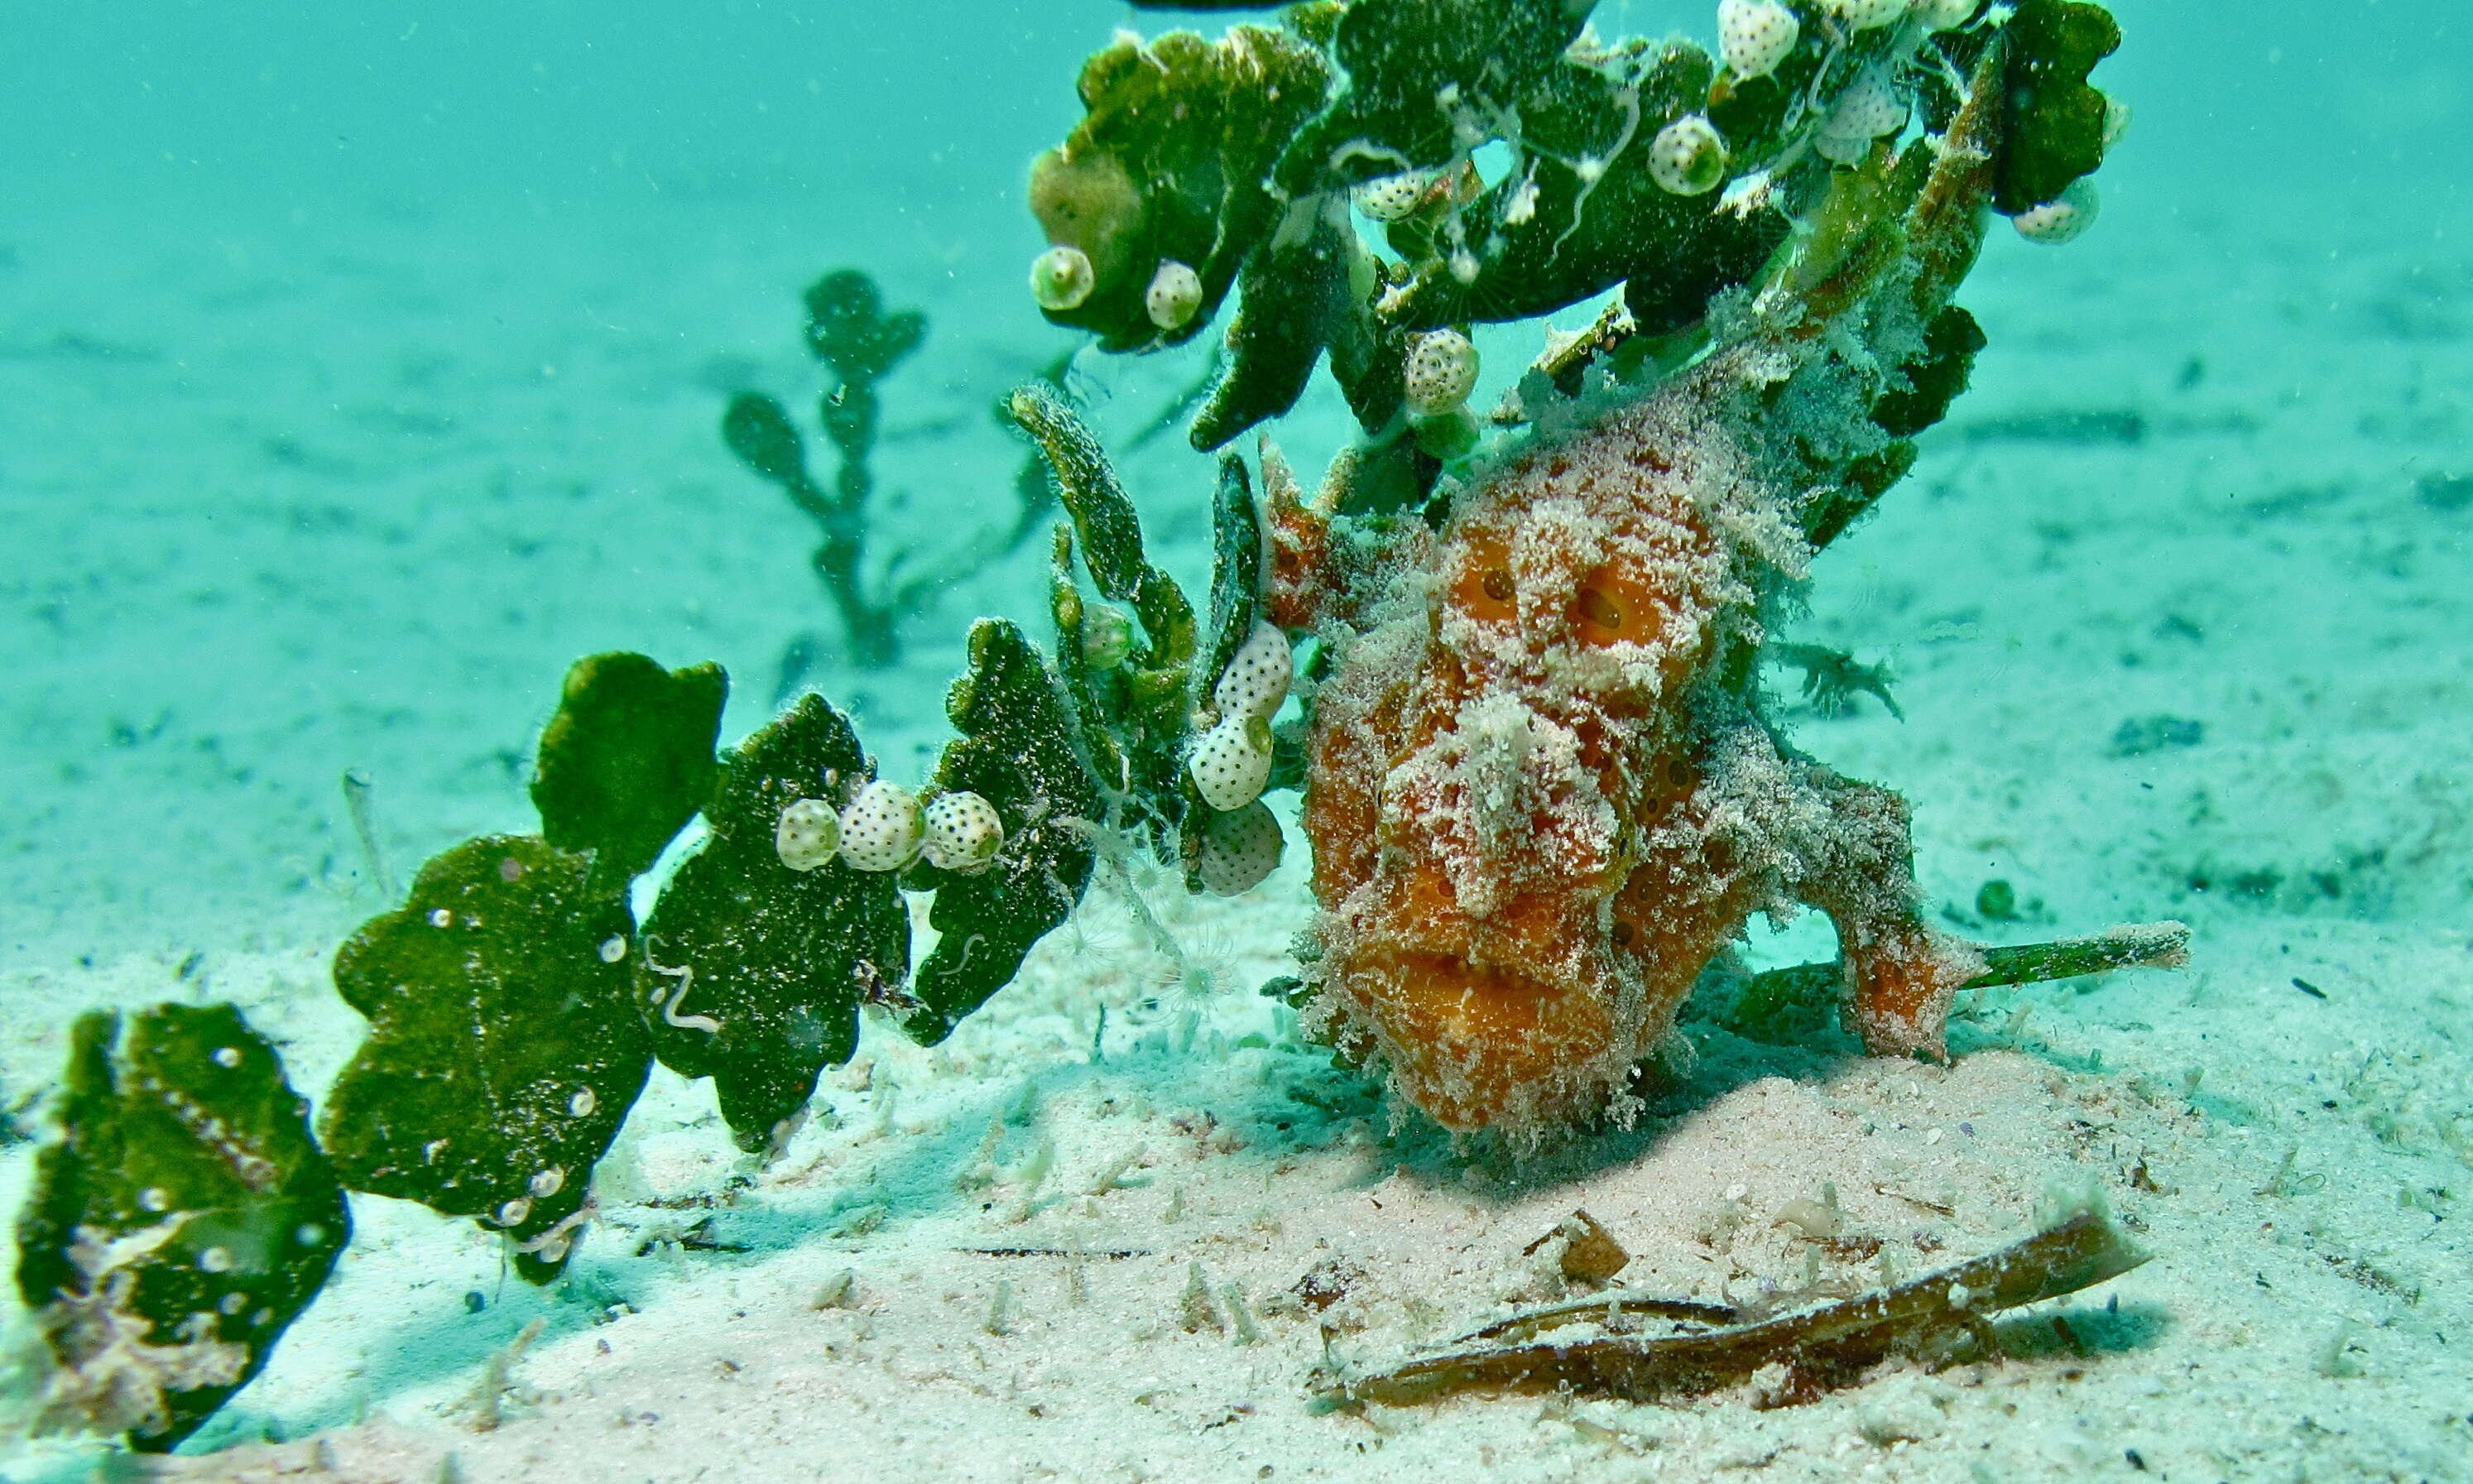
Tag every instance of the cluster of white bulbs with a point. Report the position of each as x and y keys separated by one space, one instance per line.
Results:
x=884 y=827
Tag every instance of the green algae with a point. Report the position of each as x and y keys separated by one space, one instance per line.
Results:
x=627 y=760
x=183 y=1218
x=1016 y=751
x=752 y=972
x=504 y=1046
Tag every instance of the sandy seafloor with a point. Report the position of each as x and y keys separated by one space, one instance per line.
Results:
x=288 y=496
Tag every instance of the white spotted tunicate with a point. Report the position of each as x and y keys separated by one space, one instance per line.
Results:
x=1174 y=297
x=1755 y=36
x=1256 y=678
x=1393 y=197
x=1441 y=372
x=228 y=1057
x=1945 y=15
x=962 y=833
x=1688 y=157
x=2062 y=220
x=1869 y=108
x=1107 y=637
x=2116 y=121
x=440 y=916
x=613 y=949
x=809 y=834
x=881 y=829
x=215 y=1259
x=1232 y=762
x=1864 y=14
x=1062 y=277
x=1238 y=850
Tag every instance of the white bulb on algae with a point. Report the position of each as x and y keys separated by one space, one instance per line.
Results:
x=1870 y=107
x=1256 y=678
x=881 y=829
x=1232 y=762
x=2062 y=220
x=1239 y=849
x=1107 y=637
x=1755 y=36
x=1688 y=157
x=1441 y=372
x=963 y=832
x=1393 y=197
x=1174 y=297
x=1062 y=277
x=809 y=834
x=1865 y=15
x=1944 y=14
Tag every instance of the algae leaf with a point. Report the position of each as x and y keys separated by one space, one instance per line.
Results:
x=628 y=759
x=1083 y=680
x=1556 y=235
x=2057 y=121
x=503 y=1050
x=757 y=430
x=1295 y=301
x=1016 y=751
x=1167 y=164
x=1236 y=572
x=1403 y=60
x=1142 y=703
x=1111 y=531
x=751 y=972
x=181 y=1222
x=849 y=330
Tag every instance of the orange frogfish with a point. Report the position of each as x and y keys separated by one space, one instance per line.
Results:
x=1542 y=795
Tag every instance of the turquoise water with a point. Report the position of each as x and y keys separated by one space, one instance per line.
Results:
x=361 y=365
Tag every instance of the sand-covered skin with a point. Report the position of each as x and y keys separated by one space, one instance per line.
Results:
x=276 y=510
